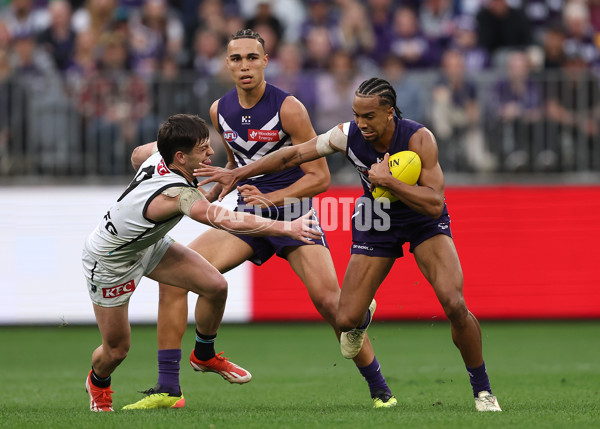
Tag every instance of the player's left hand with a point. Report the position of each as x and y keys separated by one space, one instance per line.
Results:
x=253 y=197
x=379 y=171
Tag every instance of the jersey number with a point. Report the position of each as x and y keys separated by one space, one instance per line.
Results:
x=144 y=174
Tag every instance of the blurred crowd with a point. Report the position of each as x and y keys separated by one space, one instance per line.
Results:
x=506 y=85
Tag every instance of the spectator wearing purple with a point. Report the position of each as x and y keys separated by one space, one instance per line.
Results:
x=318 y=49
x=543 y=14
x=465 y=40
x=264 y=16
x=456 y=119
x=381 y=17
x=573 y=109
x=23 y=17
x=436 y=18
x=516 y=109
x=320 y=15
x=59 y=38
x=580 y=38
x=410 y=44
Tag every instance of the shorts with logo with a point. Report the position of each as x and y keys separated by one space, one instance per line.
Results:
x=113 y=286
x=265 y=247
x=388 y=244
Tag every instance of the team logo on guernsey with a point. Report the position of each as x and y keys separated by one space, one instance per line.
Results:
x=263 y=135
x=113 y=292
x=246 y=120
x=230 y=136
x=161 y=168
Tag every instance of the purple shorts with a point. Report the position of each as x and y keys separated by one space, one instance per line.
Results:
x=388 y=244
x=265 y=247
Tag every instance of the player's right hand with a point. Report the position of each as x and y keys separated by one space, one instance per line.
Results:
x=225 y=177
x=303 y=228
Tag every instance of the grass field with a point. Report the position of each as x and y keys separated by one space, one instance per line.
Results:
x=546 y=375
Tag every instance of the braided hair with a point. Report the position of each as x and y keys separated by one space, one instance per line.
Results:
x=248 y=34
x=382 y=89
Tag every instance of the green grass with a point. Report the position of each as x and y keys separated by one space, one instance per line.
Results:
x=546 y=375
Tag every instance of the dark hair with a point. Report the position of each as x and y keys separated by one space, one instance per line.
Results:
x=180 y=132
x=248 y=34
x=382 y=89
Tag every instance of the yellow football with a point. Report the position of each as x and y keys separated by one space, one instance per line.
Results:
x=404 y=166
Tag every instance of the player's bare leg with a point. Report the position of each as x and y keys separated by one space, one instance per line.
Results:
x=113 y=323
x=322 y=286
x=438 y=261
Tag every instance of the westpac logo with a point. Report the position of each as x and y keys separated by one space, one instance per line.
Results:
x=245 y=119
x=230 y=136
x=119 y=290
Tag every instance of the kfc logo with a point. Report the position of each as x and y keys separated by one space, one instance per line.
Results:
x=230 y=136
x=263 y=135
x=161 y=168
x=119 y=290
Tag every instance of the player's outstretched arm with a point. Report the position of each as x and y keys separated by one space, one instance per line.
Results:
x=282 y=159
x=247 y=223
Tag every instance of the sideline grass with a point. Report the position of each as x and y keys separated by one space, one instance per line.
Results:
x=546 y=375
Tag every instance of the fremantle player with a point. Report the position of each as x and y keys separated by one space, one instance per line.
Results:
x=131 y=241
x=255 y=119
x=420 y=217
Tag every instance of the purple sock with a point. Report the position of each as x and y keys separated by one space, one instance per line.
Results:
x=168 y=370
x=374 y=378
x=479 y=379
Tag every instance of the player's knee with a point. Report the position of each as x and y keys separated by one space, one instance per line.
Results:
x=217 y=290
x=455 y=308
x=327 y=307
x=346 y=322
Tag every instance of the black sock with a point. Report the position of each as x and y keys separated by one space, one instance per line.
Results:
x=99 y=382
x=205 y=346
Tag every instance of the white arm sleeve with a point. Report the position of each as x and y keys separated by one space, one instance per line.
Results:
x=332 y=141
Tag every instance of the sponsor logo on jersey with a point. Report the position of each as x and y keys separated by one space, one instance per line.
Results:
x=113 y=292
x=246 y=120
x=230 y=136
x=161 y=168
x=263 y=135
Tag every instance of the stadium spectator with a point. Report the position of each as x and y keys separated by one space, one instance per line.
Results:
x=264 y=15
x=464 y=40
x=554 y=48
x=381 y=17
x=335 y=89
x=543 y=14
x=579 y=34
x=573 y=110
x=115 y=105
x=408 y=89
x=320 y=15
x=517 y=118
x=131 y=242
x=355 y=32
x=410 y=44
x=436 y=20
x=290 y=77
x=23 y=17
x=154 y=32
x=59 y=38
x=286 y=123
x=456 y=116
x=419 y=217
x=318 y=49
x=96 y=16
x=6 y=77
x=500 y=26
